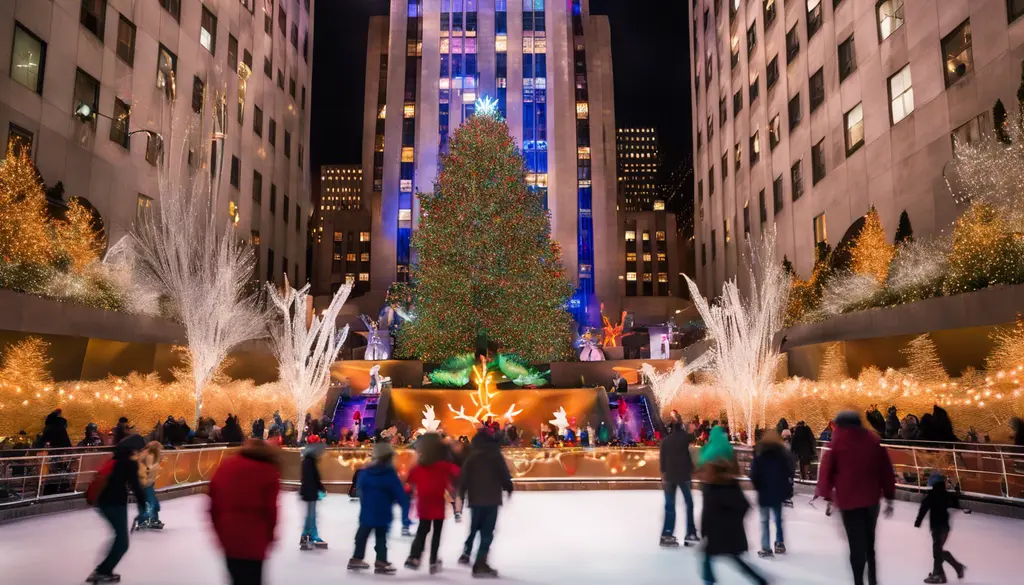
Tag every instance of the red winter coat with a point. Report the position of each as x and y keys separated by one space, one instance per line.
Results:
x=243 y=501
x=855 y=470
x=431 y=482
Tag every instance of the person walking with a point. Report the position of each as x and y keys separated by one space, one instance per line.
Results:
x=149 y=470
x=724 y=507
x=311 y=490
x=119 y=476
x=677 y=474
x=243 y=509
x=771 y=472
x=937 y=504
x=430 y=479
x=854 y=473
x=805 y=449
x=484 y=476
x=379 y=490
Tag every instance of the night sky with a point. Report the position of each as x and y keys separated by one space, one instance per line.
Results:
x=650 y=51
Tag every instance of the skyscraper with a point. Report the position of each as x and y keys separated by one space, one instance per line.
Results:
x=639 y=168
x=341 y=232
x=547 y=64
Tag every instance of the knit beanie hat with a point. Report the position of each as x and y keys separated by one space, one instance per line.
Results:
x=935 y=479
x=848 y=419
x=718 y=447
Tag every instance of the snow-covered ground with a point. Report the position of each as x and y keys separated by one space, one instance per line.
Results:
x=585 y=537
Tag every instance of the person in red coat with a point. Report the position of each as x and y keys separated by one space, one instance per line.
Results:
x=431 y=480
x=855 y=472
x=243 y=507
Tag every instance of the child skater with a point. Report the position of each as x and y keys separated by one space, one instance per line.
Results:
x=311 y=491
x=379 y=490
x=938 y=502
x=430 y=479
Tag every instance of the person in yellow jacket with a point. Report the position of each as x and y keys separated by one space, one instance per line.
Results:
x=149 y=470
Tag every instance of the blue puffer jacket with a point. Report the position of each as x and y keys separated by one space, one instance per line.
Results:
x=771 y=472
x=379 y=490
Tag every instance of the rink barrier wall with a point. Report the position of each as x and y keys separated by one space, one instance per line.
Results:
x=54 y=482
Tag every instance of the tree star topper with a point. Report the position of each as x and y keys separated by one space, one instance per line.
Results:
x=486 y=106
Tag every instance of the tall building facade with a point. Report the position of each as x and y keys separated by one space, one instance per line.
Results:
x=120 y=59
x=806 y=113
x=639 y=170
x=548 y=65
x=341 y=232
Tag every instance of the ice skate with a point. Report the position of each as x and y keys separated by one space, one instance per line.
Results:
x=458 y=517
x=484 y=571
x=98 y=577
x=669 y=541
x=435 y=568
x=357 y=565
x=412 y=563
x=155 y=525
x=464 y=559
x=935 y=578
x=320 y=544
x=780 y=548
x=691 y=540
x=305 y=543
x=765 y=553
x=961 y=571
x=787 y=503
x=406 y=531
x=384 y=568
x=136 y=525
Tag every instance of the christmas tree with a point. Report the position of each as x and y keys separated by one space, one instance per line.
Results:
x=904 y=231
x=923 y=363
x=24 y=231
x=487 y=271
x=871 y=251
x=75 y=238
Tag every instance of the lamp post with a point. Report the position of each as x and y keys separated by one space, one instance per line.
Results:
x=85 y=113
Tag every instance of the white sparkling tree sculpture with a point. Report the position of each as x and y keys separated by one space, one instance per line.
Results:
x=190 y=253
x=305 y=348
x=743 y=357
x=668 y=385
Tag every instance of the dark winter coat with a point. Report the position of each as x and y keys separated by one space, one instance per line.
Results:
x=120 y=432
x=258 y=428
x=803 y=444
x=243 y=501
x=771 y=472
x=484 y=474
x=379 y=490
x=722 y=516
x=942 y=426
x=311 y=485
x=232 y=432
x=937 y=502
x=676 y=462
x=170 y=431
x=877 y=421
x=892 y=424
x=124 y=476
x=856 y=470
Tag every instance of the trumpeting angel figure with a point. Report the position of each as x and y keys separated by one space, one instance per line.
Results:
x=590 y=342
x=377 y=346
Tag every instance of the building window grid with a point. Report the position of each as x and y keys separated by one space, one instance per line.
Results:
x=93 y=16
x=847 y=58
x=854 y=123
x=28 y=59
x=796 y=180
x=901 y=94
x=958 y=53
x=890 y=17
x=814 y=17
x=817 y=89
x=126 y=40
x=818 y=162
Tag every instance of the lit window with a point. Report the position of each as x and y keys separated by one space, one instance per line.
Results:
x=956 y=49
x=659 y=205
x=142 y=206
x=337 y=257
x=630 y=256
x=647 y=256
x=890 y=17
x=820 y=237
x=126 y=41
x=404 y=215
x=646 y=236
x=28 y=59
x=350 y=278
x=659 y=235
x=854 y=129
x=662 y=277
x=363 y=236
x=582 y=110
x=410 y=110
x=647 y=277
x=208 y=31
x=364 y=257
x=405 y=186
x=901 y=94
x=662 y=257
x=351 y=257
x=364 y=277
x=407 y=154
x=631 y=276
x=166 y=61
x=383 y=113
x=583 y=153
x=631 y=236
x=500 y=43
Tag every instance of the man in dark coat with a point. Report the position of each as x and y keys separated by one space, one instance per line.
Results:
x=113 y=504
x=722 y=518
x=771 y=472
x=232 y=431
x=55 y=432
x=309 y=491
x=804 y=448
x=855 y=472
x=892 y=424
x=121 y=430
x=677 y=473
x=170 y=430
x=485 y=476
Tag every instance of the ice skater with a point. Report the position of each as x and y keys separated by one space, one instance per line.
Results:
x=484 y=476
x=311 y=491
x=110 y=489
x=771 y=472
x=724 y=507
x=677 y=474
x=936 y=505
x=430 y=480
x=149 y=470
x=379 y=490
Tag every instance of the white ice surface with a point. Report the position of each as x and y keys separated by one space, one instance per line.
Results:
x=585 y=537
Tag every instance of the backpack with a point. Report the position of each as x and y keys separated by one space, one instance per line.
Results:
x=99 y=482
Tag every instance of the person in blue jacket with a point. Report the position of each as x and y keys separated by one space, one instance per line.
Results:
x=379 y=490
x=771 y=472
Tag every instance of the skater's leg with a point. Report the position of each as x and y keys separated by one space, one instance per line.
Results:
x=310 y=526
x=245 y=571
x=669 y=527
x=420 y=541
x=779 y=538
x=706 y=572
x=435 y=540
x=938 y=539
x=748 y=570
x=487 y=523
x=691 y=528
x=475 y=516
x=854 y=521
x=381 y=546
x=117 y=517
x=362 y=534
x=871 y=519
x=765 y=528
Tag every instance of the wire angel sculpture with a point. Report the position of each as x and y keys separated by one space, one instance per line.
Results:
x=377 y=340
x=305 y=348
x=561 y=421
x=590 y=342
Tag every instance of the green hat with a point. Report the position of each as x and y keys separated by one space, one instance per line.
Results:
x=718 y=447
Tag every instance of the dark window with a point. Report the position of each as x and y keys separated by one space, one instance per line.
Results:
x=236 y=171
x=746 y=219
x=173 y=7
x=273 y=199
x=257 y=187
x=18 y=139
x=751 y=38
x=755 y=148
x=247 y=58
x=268 y=68
x=282 y=19
x=28 y=59
x=268 y=23
x=737 y=103
x=298 y=213
x=769 y=13
x=302 y=103
x=286 y=208
x=280 y=79
x=300 y=156
x=711 y=182
x=87 y=92
x=792 y=44
x=257 y=121
x=198 y=88
x=295 y=35
x=270 y=260
x=725 y=167
x=817 y=89
x=764 y=206
x=957 y=52
x=120 y=123
x=126 y=40
x=93 y=16
x=291 y=87
x=847 y=59
x=232 y=54
x=714 y=248
x=794 y=112
x=287 y=144
x=772 y=72
x=703 y=254
x=755 y=90
x=709 y=68
x=813 y=18
x=774 y=132
x=208 y=31
x=305 y=46
x=777 y=195
x=796 y=180
x=818 y=161
x=722 y=112
x=272 y=132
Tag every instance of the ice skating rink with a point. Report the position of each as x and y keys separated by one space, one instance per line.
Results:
x=563 y=538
